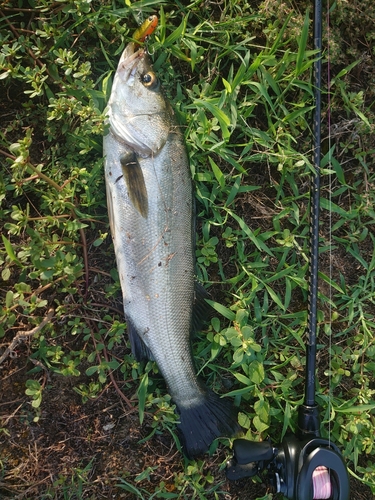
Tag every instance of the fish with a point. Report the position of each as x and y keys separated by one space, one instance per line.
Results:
x=151 y=213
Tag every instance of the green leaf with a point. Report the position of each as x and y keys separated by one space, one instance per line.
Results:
x=238 y=355
x=9 y=299
x=332 y=207
x=356 y=409
x=243 y=379
x=222 y=118
x=9 y=250
x=257 y=241
x=227 y=85
x=234 y=191
x=274 y=297
x=91 y=370
x=36 y=402
x=177 y=33
x=262 y=409
x=124 y=485
x=259 y=425
x=256 y=372
x=244 y=420
x=224 y=311
x=5 y=274
x=142 y=394
x=302 y=42
x=217 y=172
x=344 y=71
x=287 y=417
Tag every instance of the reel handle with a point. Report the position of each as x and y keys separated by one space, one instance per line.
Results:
x=246 y=451
x=249 y=458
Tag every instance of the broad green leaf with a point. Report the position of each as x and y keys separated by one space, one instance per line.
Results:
x=259 y=425
x=91 y=370
x=256 y=372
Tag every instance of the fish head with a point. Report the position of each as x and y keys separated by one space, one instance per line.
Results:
x=139 y=115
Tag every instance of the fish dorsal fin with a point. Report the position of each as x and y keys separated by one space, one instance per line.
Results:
x=135 y=182
x=202 y=311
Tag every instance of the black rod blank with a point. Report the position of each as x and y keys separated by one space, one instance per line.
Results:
x=314 y=214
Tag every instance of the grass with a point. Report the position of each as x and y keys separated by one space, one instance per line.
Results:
x=238 y=75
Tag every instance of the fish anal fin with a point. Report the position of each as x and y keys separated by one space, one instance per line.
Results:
x=139 y=349
x=202 y=311
x=135 y=182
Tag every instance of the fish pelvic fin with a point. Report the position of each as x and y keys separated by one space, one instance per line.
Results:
x=201 y=424
x=135 y=182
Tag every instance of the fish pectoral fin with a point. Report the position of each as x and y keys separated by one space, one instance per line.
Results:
x=135 y=182
x=110 y=213
x=139 y=349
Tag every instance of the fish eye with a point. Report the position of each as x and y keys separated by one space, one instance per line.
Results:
x=150 y=80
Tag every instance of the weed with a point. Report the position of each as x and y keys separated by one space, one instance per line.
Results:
x=239 y=79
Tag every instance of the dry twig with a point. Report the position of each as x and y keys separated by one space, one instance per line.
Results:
x=23 y=335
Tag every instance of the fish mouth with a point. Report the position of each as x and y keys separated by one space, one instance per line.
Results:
x=129 y=60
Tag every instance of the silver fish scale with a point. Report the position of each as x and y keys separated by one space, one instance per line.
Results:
x=155 y=259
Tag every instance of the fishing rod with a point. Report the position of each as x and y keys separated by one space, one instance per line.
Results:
x=304 y=466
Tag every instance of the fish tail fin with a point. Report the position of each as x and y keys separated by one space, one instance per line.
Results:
x=202 y=423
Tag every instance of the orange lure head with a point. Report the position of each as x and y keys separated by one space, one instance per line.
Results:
x=146 y=29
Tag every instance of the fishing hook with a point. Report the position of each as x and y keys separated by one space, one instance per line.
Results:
x=147 y=47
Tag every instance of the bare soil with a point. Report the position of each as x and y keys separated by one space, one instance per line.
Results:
x=103 y=433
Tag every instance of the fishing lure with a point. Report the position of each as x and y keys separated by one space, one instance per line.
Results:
x=146 y=29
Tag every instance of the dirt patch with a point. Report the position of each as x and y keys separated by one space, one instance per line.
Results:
x=98 y=441
x=89 y=449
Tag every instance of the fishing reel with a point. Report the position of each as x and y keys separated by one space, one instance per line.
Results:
x=306 y=467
